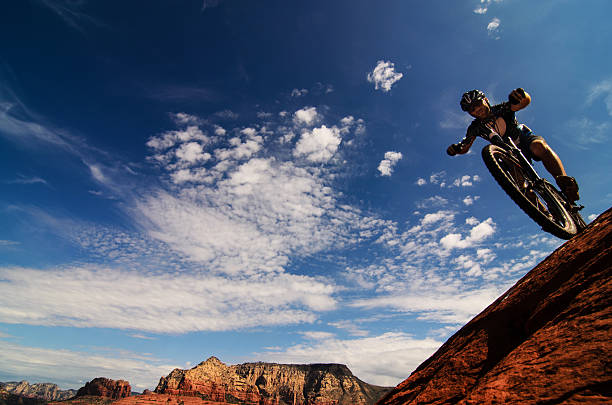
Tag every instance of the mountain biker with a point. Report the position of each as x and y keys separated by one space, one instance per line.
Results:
x=500 y=120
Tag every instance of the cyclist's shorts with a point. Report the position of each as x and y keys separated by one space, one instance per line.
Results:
x=525 y=138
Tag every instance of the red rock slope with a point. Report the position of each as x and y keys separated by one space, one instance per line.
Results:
x=548 y=340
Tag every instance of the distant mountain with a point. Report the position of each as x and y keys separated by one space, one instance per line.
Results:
x=547 y=340
x=44 y=391
x=267 y=383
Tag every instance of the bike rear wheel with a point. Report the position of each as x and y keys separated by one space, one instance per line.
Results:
x=540 y=200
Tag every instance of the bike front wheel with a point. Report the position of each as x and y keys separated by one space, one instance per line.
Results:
x=540 y=200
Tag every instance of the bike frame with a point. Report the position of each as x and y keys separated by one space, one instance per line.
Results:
x=531 y=172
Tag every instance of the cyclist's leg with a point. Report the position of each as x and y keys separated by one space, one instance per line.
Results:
x=540 y=150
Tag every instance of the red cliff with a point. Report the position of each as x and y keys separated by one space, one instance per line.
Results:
x=104 y=387
x=547 y=340
x=271 y=384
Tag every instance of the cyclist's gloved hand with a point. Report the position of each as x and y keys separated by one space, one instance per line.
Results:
x=453 y=149
x=516 y=96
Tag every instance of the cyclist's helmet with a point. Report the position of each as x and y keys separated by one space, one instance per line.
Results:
x=468 y=99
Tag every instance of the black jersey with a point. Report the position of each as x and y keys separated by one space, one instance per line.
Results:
x=483 y=128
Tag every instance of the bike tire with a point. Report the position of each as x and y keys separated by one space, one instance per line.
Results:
x=546 y=206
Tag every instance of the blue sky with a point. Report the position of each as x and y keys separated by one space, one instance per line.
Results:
x=267 y=180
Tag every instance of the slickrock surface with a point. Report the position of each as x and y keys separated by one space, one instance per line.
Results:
x=271 y=384
x=163 y=399
x=548 y=340
x=107 y=388
x=46 y=391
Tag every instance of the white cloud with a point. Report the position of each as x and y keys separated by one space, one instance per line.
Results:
x=421 y=182
x=432 y=202
x=466 y=181
x=438 y=178
x=477 y=234
x=493 y=24
x=317 y=335
x=493 y=28
x=383 y=360
x=603 y=90
x=438 y=304
x=298 y=92
x=71 y=369
x=306 y=116
x=28 y=180
x=192 y=152
x=386 y=165
x=589 y=133
x=220 y=131
x=90 y=296
x=351 y=327
x=96 y=173
x=182 y=118
x=318 y=145
x=171 y=138
x=455 y=120
x=480 y=10
x=384 y=76
x=469 y=200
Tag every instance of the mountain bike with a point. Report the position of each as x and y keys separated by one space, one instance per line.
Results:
x=537 y=197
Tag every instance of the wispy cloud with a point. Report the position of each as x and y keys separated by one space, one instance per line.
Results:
x=21 y=179
x=8 y=243
x=21 y=126
x=383 y=360
x=603 y=90
x=384 y=76
x=210 y=4
x=70 y=12
x=92 y=296
x=71 y=369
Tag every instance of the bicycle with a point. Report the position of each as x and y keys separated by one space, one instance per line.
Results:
x=537 y=197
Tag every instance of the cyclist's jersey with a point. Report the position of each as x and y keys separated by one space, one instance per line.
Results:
x=483 y=128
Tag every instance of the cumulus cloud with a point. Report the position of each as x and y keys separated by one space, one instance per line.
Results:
x=469 y=200
x=318 y=145
x=386 y=165
x=384 y=76
x=262 y=207
x=493 y=28
x=383 y=360
x=466 y=181
x=493 y=24
x=306 y=116
x=420 y=277
x=477 y=234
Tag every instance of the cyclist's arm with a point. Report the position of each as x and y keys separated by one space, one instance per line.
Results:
x=519 y=99
x=461 y=147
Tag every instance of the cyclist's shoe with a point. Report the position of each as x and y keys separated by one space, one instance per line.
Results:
x=569 y=187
